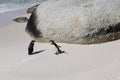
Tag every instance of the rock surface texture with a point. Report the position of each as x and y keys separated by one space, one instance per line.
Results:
x=76 y=21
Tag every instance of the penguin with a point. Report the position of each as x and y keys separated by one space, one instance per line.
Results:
x=31 y=47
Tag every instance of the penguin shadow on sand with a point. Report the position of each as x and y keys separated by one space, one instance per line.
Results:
x=31 y=49
x=36 y=52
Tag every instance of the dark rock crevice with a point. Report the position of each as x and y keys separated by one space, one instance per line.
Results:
x=32 y=26
x=103 y=31
x=110 y=33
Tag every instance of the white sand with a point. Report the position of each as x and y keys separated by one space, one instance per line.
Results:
x=83 y=62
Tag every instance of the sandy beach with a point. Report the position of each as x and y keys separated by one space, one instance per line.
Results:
x=83 y=62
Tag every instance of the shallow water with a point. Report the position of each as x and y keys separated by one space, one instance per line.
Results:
x=10 y=5
x=10 y=9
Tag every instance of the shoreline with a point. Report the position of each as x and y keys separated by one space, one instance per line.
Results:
x=83 y=62
x=7 y=17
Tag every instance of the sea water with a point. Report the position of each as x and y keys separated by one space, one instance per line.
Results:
x=11 y=5
x=10 y=9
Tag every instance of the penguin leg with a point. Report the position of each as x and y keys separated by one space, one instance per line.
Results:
x=58 y=48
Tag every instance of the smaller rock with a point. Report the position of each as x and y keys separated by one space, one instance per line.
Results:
x=21 y=19
x=31 y=9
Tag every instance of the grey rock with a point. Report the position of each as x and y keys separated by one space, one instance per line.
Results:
x=31 y=9
x=76 y=21
x=21 y=19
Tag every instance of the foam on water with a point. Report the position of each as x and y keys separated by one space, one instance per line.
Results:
x=10 y=5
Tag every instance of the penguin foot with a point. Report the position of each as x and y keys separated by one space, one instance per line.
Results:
x=59 y=52
x=58 y=48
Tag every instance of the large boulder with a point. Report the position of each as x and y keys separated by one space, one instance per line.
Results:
x=76 y=21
